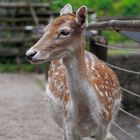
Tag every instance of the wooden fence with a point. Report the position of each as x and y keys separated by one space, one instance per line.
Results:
x=16 y=28
x=17 y=21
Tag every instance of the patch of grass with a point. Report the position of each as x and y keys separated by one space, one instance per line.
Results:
x=22 y=68
x=112 y=52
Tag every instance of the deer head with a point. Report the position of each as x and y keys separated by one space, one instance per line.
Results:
x=59 y=36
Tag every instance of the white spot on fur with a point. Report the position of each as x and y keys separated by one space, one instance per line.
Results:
x=101 y=93
x=106 y=75
x=103 y=65
x=109 y=106
x=106 y=93
x=106 y=112
x=98 y=75
x=49 y=95
x=107 y=82
x=96 y=87
x=102 y=86
x=92 y=67
x=56 y=73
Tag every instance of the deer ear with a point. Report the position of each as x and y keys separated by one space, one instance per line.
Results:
x=66 y=9
x=81 y=16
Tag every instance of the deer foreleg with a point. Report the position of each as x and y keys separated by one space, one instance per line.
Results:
x=101 y=134
x=71 y=133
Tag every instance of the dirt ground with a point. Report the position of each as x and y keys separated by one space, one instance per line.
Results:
x=24 y=113
x=23 y=110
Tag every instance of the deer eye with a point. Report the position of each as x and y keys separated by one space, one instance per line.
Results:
x=65 y=32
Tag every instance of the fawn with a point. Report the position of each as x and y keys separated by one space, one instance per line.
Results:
x=84 y=92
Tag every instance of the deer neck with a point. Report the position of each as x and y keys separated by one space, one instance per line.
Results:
x=78 y=84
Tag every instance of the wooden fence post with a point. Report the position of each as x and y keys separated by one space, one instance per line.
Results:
x=98 y=49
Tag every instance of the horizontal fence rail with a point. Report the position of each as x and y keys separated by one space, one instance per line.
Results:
x=133 y=25
x=124 y=131
x=122 y=69
x=129 y=114
x=116 y=48
x=130 y=92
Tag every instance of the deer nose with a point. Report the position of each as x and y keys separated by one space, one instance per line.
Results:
x=30 y=54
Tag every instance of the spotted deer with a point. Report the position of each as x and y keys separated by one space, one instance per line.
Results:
x=84 y=93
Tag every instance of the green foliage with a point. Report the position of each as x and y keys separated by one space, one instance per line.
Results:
x=102 y=7
x=127 y=7
x=23 y=68
x=114 y=37
x=15 y=68
x=40 y=1
x=113 y=52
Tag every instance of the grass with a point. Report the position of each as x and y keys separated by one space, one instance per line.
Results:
x=17 y=68
x=112 y=52
x=22 y=68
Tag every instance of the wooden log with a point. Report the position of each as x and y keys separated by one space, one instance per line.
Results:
x=98 y=50
x=133 y=25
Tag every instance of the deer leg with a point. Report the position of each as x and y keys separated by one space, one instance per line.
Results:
x=101 y=134
x=71 y=133
x=110 y=136
x=64 y=136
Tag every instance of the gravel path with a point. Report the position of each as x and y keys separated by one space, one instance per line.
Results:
x=23 y=110
x=24 y=113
